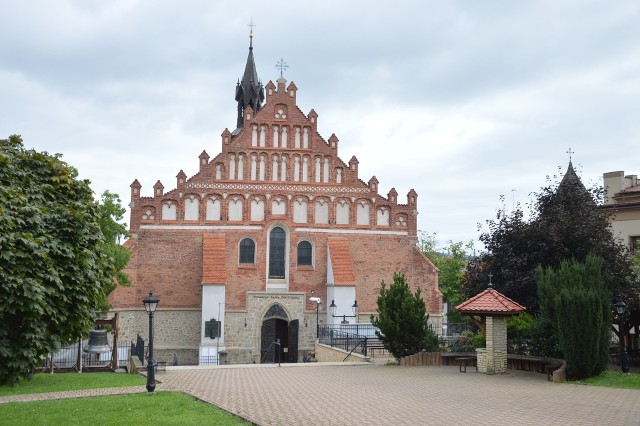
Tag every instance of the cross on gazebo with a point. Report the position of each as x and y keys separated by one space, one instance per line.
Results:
x=490 y=283
x=282 y=65
x=570 y=152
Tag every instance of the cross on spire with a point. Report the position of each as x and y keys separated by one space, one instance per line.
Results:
x=570 y=152
x=282 y=65
x=251 y=25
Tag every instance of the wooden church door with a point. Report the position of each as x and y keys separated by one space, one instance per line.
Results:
x=275 y=329
x=293 y=341
x=267 y=348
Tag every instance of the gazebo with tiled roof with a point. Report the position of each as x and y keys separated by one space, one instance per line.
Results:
x=490 y=310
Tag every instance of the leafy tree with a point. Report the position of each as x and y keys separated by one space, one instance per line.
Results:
x=53 y=276
x=576 y=302
x=452 y=264
x=402 y=320
x=564 y=221
x=111 y=213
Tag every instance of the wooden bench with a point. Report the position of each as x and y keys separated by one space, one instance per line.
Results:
x=527 y=363
x=464 y=361
x=159 y=365
x=450 y=358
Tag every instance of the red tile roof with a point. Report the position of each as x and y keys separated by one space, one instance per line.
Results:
x=632 y=189
x=341 y=261
x=213 y=259
x=490 y=301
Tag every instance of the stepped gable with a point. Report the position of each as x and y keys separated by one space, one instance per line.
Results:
x=275 y=151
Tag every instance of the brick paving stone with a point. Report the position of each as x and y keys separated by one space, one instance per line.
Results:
x=372 y=394
x=368 y=394
x=72 y=394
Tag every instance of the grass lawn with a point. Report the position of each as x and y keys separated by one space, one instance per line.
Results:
x=162 y=408
x=45 y=382
x=613 y=379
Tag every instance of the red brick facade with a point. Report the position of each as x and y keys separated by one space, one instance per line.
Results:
x=266 y=172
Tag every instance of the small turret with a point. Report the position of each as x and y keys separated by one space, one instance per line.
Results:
x=226 y=137
x=135 y=189
x=313 y=118
x=158 y=189
x=333 y=141
x=373 y=184
x=392 y=196
x=412 y=197
x=204 y=159
x=292 y=91
x=181 y=179
x=353 y=165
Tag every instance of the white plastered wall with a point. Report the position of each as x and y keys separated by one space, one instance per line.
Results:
x=213 y=306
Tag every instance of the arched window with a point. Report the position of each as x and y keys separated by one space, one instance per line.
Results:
x=247 y=251
x=305 y=253
x=277 y=252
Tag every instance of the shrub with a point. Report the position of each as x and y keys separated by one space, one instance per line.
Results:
x=402 y=320
x=575 y=301
x=467 y=342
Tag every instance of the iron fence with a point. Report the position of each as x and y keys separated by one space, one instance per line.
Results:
x=208 y=360
x=363 y=330
x=348 y=342
x=72 y=357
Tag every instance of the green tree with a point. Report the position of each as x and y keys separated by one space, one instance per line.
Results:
x=111 y=214
x=54 y=277
x=576 y=302
x=564 y=221
x=451 y=261
x=402 y=320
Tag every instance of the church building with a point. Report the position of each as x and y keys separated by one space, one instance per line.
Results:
x=273 y=219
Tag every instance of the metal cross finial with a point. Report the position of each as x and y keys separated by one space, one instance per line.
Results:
x=570 y=152
x=282 y=65
x=490 y=284
x=251 y=25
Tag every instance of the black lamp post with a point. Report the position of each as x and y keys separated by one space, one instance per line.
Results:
x=317 y=301
x=150 y=305
x=355 y=308
x=624 y=359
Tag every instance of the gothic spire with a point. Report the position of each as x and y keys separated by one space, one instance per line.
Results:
x=249 y=91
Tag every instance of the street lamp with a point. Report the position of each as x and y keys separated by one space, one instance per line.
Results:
x=624 y=360
x=150 y=305
x=317 y=301
x=354 y=308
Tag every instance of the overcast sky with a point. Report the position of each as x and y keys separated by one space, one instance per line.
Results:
x=463 y=101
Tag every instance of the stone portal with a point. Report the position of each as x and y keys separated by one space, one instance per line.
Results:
x=279 y=340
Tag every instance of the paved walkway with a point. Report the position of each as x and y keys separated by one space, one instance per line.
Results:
x=315 y=394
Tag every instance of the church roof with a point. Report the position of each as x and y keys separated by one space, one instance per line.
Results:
x=490 y=301
x=213 y=259
x=341 y=262
x=249 y=91
x=571 y=180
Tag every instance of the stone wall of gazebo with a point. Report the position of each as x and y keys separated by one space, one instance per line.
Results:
x=492 y=359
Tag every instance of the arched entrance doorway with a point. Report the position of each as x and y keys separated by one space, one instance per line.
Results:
x=276 y=327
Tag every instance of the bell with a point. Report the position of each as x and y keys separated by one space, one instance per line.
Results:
x=98 y=342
